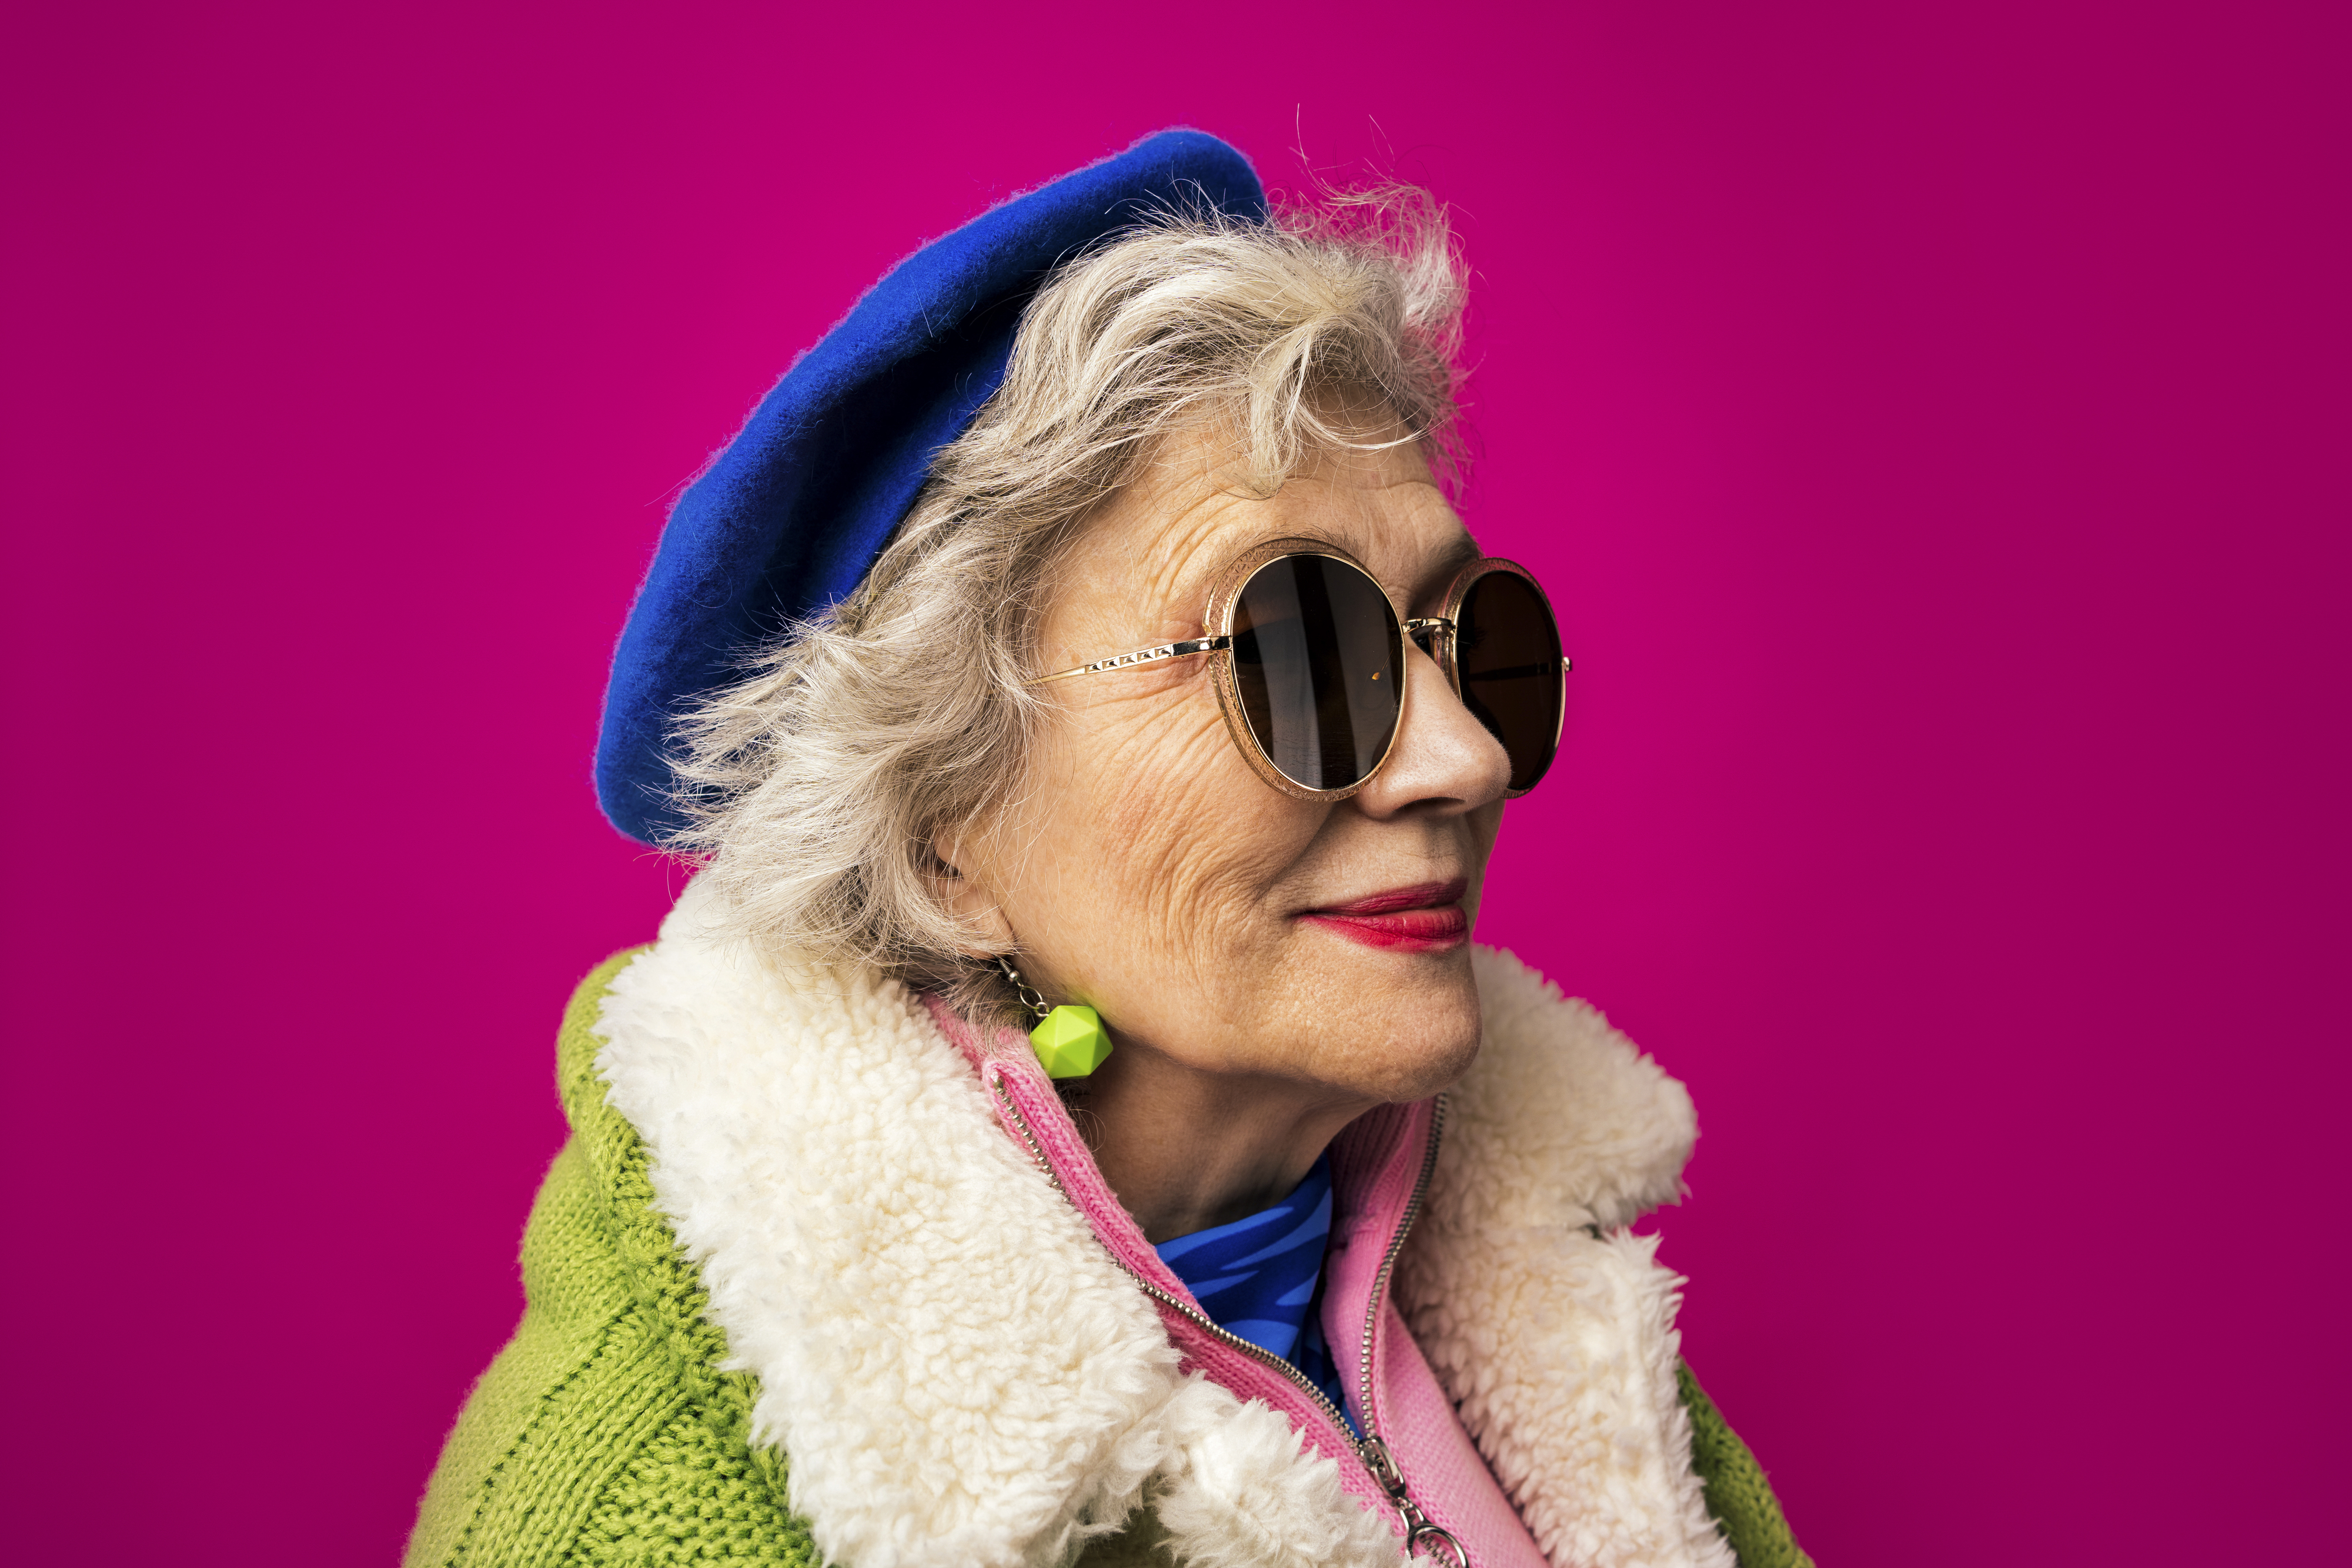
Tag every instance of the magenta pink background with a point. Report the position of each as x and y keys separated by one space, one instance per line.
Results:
x=1932 y=423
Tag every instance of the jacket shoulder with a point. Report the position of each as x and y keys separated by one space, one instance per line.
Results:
x=1738 y=1494
x=603 y=1429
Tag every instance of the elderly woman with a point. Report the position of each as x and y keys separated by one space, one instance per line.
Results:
x=1065 y=1119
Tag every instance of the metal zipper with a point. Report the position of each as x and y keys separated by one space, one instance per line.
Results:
x=1420 y=1530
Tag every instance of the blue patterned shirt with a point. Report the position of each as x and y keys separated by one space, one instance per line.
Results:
x=1261 y=1279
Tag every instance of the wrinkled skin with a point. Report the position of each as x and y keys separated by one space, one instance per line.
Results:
x=1146 y=871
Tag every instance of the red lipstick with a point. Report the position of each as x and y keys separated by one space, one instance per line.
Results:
x=1425 y=919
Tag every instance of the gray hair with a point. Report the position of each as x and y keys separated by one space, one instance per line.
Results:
x=814 y=790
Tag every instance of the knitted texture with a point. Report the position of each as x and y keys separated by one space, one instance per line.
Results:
x=602 y=1432
x=1737 y=1495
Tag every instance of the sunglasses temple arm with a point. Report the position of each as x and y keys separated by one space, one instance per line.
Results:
x=1182 y=649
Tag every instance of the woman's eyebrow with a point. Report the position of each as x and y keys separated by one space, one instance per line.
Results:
x=1442 y=567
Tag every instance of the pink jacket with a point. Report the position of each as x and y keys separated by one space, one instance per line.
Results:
x=1415 y=1466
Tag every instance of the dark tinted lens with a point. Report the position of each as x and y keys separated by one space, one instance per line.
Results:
x=1317 y=662
x=1508 y=653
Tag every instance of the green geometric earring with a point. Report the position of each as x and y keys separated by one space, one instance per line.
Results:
x=1070 y=1042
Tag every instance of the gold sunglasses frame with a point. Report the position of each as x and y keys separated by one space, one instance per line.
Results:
x=1217 y=639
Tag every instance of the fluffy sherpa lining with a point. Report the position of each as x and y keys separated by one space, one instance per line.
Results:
x=961 y=1373
x=1552 y=1328
x=958 y=1372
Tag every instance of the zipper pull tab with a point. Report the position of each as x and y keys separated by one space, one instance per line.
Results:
x=1422 y=1533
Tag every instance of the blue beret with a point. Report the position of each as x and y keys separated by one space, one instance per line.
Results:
x=789 y=518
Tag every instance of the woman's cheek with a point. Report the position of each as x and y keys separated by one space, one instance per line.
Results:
x=1198 y=857
x=1162 y=782
x=1091 y=836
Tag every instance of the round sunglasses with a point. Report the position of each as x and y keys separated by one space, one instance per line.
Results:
x=1309 y=664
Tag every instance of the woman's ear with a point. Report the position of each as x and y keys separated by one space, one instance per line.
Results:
x=969 y=904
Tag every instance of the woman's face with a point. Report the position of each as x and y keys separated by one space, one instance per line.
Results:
x=1146 y=871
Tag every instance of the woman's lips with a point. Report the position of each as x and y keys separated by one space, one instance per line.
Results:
x=1427 y=918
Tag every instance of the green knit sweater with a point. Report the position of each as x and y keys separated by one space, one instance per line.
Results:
x=602 y=1432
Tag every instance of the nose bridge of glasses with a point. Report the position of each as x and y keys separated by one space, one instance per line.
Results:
x=1424 y=630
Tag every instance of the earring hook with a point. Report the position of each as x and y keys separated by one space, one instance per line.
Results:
x=1030 y=996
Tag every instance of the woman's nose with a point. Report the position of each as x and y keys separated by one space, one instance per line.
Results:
x=1443 y=761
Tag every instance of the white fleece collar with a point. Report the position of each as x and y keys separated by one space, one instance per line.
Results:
x=1552 y=1328
x=962 y=1375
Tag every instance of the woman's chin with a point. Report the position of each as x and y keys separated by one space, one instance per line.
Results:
x=1397 y=1026
x=1408 y=1068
